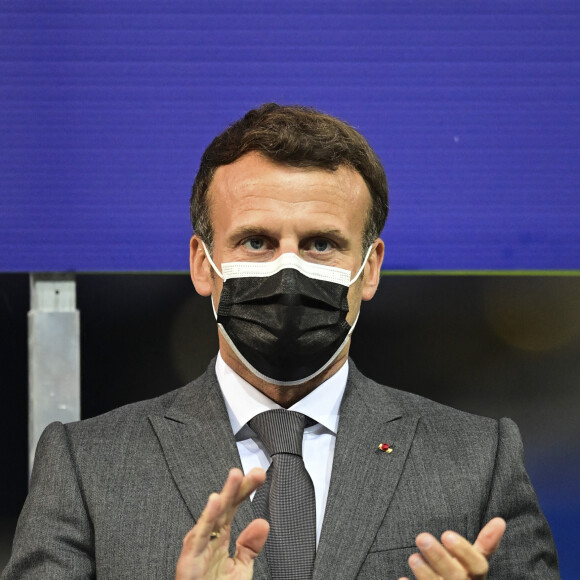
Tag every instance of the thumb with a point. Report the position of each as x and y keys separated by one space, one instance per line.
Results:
x=490 y=536
x=251 y=541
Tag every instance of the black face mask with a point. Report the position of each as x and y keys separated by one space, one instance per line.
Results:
x=285 y=320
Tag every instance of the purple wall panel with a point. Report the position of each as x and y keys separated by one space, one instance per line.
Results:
x=106 y=107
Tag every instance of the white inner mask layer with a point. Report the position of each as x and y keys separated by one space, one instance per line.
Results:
x=265 y=269
x=289 y=260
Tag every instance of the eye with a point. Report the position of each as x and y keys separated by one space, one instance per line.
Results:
x=321 y=245
x=254 y=244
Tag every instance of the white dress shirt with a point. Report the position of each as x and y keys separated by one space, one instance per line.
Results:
x=244 y=402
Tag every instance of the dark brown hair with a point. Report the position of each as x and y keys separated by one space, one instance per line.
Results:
x=299 y=137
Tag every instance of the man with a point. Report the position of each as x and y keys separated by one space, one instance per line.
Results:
x=287 y=209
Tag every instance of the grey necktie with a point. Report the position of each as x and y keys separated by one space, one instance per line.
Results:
x=286 y=499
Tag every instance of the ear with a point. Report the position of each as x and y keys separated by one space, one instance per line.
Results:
x=372 y=271
x=199 y=267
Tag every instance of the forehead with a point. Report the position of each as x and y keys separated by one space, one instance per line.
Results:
x=253 y=187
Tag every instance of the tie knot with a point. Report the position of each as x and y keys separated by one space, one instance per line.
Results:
x=280 y=431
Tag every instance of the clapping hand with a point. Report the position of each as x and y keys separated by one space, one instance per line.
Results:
x=205 y=553
x=454 y=558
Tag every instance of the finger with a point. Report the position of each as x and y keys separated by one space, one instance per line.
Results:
x=238 y=486
x=229 y=494
x=236 y=489
x=475 y=557
x=470 y=558
x=197 y=539
x=232 y=485
x=490 y=536
x=252 y=481
x=421 y=568
x=437 y=558
x=251 y=541
x=214 y=515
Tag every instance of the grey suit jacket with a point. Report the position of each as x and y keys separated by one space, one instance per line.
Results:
x=112 y=497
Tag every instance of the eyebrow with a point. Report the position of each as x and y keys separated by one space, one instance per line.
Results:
x=332 y=233
x=246 y=231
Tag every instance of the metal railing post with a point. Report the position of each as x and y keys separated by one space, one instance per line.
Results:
x=53 y=354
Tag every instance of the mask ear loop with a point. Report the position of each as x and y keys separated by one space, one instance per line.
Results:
x=361 y=268
x=215 y=270
x=350 y=284
x=211 y=261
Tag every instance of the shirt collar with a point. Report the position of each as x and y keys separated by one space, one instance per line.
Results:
x=244 y=402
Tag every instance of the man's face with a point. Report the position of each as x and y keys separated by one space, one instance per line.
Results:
x=260 y=210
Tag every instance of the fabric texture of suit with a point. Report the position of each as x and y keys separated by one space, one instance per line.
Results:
x=112 y=497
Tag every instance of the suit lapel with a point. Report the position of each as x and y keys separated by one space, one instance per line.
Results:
x=197 y=440
x=363 y=477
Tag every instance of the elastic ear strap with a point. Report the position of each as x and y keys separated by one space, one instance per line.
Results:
x=215 y=270
x=213 y=307
x=210 y=260
x=353 y=325
x=363 y=265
